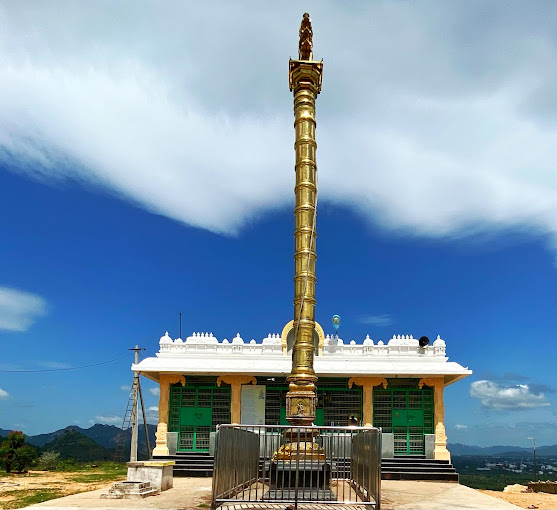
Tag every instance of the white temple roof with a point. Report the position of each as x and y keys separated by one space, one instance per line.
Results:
x=203 y=354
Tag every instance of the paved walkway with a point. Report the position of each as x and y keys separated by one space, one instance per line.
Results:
x=189 y=493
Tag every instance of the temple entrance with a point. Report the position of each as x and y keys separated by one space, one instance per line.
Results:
x=407 y=413
x=195 y=412
x=336 y=403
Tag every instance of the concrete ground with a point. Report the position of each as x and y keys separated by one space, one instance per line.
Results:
x=189 y=493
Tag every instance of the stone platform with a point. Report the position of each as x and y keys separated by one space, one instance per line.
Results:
x=130 y=490
x=156 y=472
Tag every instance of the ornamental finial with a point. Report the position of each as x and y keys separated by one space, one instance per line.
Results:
x=306 y=43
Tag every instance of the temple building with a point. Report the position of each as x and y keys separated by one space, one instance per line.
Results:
x=301 y=376
x=396 y=385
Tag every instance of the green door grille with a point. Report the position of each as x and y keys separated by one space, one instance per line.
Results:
x=407 y=414
x=194 y=412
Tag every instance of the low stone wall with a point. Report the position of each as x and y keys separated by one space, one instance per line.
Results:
x=549 y=487
x=158 y=473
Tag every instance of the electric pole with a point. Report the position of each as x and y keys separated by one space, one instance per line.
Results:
x=535 y=466
x=133 y=449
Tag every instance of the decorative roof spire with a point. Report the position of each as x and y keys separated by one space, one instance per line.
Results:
x=305 y=48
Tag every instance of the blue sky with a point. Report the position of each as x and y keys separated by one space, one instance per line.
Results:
x=147 y=169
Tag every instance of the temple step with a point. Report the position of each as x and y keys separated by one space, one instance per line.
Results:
x=200 y=464
x=408 y=468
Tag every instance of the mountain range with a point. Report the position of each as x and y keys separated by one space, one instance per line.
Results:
x=99 y=442
x=95 y=443
x=459 y=449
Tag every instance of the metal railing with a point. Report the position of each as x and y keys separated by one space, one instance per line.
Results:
x=341 y=465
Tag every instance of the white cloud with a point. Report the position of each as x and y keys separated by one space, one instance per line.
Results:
x=109 y=420
x=152 y=414
x=496 y=397
x=449 y=135
x=458 y=426
x=19 y=309
x=3 y=394
x=155 y=391
x=125 y=387
x=377 y=320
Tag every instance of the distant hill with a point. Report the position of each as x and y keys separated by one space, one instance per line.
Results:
x=547 y=451
x=107 y=436
x=71 y=444
x=4 y=433
x=459 y=449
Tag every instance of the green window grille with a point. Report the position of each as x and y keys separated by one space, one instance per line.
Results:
x=202 y=435
x=273 y=403
x=204 y=397
x=174 y=412
x=188 y=397
x=383 y=410
x=186 y=437
x=339 y=405
x=415 y=440
x=221 y=406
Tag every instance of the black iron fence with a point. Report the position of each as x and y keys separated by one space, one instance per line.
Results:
x=283 y=464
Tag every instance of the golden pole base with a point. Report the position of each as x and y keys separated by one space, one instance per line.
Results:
x=302 y=451
x=300 y=447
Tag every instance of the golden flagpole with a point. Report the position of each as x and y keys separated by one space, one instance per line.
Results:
x=305 y=82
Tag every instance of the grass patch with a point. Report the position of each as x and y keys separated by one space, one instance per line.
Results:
x=23 y=498
x=95 y=477
x=119 y=468
x=114 y=468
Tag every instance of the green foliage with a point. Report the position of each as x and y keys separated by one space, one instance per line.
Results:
x=48 y=461
x=29 y=497
x=495 y=481
x=15 y=454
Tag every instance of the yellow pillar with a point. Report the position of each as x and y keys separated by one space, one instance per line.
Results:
x=236 y=381
x=165 y=381
x=440 y=451
x=367 y=383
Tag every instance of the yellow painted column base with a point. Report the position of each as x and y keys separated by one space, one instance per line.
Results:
x=440 y=452
x=161 y=448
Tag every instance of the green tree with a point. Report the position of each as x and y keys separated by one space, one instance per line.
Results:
x=49 y=460
x=15 y=453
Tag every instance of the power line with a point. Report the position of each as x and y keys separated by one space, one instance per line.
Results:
x=65 y=369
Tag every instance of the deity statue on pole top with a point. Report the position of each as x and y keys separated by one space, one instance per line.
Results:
x=305 y=50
